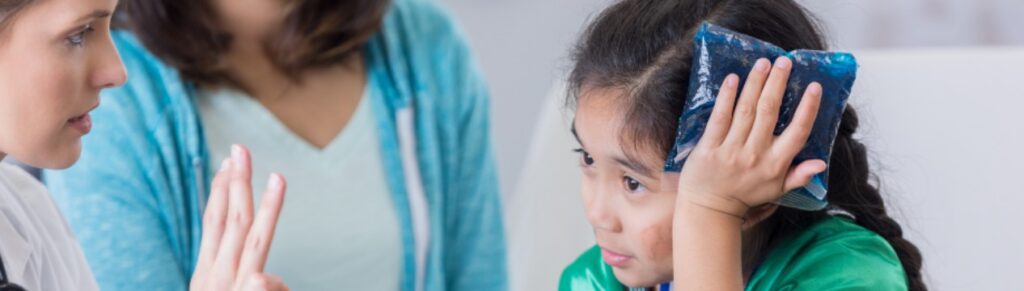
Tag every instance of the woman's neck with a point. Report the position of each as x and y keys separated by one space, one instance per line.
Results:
x=260 y=78
x=254 y=71
x=2 y=156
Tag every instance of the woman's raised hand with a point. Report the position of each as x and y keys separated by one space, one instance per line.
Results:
x=235 y=243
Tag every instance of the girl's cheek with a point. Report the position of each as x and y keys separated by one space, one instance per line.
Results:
x=586 y=194
x=656 y=239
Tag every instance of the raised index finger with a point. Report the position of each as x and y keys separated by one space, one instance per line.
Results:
x=257 y=244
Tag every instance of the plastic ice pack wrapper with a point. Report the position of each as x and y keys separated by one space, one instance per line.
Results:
x=719 y=52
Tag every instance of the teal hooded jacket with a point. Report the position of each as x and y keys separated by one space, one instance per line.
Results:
x=136 y=197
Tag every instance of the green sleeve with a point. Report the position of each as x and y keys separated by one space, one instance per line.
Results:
x=589 y=273
x=853 y=260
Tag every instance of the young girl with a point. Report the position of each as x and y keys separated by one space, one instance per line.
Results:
x=714 y=225
x=55 y=57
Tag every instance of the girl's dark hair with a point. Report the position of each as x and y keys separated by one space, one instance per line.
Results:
x=644 y=48
x=189 y=35
x=10 y=7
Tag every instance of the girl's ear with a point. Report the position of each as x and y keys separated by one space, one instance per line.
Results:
x=758 y=214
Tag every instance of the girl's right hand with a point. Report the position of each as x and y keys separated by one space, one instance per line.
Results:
x=739 y=163
x=235 y=245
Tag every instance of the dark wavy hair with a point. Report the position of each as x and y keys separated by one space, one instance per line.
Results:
x=188 y=34
x=645 y=48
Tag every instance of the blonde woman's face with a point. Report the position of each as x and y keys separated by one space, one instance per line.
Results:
x=55 y=57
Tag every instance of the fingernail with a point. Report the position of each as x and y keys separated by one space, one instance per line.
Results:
x=815 y=88
x=274 y=182
x=224 y=165
x=783 y=63
x=236 y=152
x=822 y=166
x=731 y=80
x=761 y=65
x=239 y=157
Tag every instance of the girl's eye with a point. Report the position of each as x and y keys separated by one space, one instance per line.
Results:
x=78 y=39
x=632 y=184
x=585 y=157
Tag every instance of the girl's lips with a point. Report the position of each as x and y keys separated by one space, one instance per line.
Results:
x=614 y=259
x=82 y=124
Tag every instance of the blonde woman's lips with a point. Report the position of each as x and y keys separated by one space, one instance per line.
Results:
x=82 y=123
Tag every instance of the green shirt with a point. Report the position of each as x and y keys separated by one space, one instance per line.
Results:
x=833 y=254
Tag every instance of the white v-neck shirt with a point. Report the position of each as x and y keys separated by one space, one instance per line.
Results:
x=38 y=248
x=338 y=228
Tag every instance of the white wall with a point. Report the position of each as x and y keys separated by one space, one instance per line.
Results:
x=522 y=46
x=946 y=135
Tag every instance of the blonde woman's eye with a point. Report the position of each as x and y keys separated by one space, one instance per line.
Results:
x=78 y=39
x=632 y=185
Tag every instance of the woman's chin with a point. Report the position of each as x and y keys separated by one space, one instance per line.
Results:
x=58 y=158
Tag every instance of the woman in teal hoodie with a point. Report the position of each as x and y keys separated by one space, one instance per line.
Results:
x=373 y=109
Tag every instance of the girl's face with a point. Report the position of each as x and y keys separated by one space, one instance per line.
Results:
x=55 y=56
x=623 y=197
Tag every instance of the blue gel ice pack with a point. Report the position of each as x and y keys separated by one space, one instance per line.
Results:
x=719 y=52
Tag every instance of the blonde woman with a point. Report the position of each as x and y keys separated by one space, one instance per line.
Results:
x=55 y=57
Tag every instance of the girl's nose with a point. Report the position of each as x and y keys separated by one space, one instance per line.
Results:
x=601 y=214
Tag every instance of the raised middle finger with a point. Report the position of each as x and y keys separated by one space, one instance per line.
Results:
x=239 y=214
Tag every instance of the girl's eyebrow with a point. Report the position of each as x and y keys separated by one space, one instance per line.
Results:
x=576 y=135
x=628 y=162
x=634 y=165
